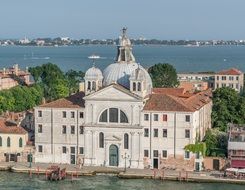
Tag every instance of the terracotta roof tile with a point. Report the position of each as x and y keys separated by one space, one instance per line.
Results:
x=169 y=102
x=73 y=101
x=10 y=127
x=231 y=71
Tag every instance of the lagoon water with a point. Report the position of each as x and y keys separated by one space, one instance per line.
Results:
x=14 y=181
x=204 y=58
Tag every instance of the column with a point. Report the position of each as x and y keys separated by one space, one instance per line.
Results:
x=141 y=151
x=87 y=148
x=133 y=152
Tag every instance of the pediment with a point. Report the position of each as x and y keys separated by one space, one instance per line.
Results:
x=113 y=92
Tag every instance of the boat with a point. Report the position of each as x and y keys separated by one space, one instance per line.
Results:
x=94 y=56
x=56 y=173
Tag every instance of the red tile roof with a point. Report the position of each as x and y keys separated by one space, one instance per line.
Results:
x=231 y=71
x=8 y=127
x=169 y=102
x=73 y=101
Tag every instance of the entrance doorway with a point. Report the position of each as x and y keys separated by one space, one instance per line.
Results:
x=216 y=164
x=73 y=155
x=113 y=155
x=155 y=163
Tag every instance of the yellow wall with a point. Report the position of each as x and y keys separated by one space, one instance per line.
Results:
x=14 y=142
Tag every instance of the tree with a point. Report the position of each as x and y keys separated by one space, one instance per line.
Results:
x=73 y=80
x=52 y=79
x=226 y=105
x=163 y=75
x=216 y=143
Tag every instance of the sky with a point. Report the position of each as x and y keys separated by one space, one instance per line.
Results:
x=101 y=19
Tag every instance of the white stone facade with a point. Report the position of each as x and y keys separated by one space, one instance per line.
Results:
x=112 y=126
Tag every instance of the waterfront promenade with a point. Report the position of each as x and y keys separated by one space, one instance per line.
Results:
x=75 y=171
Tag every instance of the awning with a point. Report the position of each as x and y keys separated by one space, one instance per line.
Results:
x=241 y=171
x=238 y=163
x=231 y=170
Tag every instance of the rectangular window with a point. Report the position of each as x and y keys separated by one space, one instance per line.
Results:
x=237 y=78
x=81 y=131
x=113 y=115
x=73 y=150
x=187 y=118
x=146 y=153
x=64 y=114
x=72 y=114
x=40 y=148
x=223 y=78
x=146 y=132
x=146 y=117
x=155 y=132
x=217 y=77
x=63 y=129
x=72 y=129
x=63 y=149
x=165 y=117
x=164 y=154
x=187 y=154
x=165 y=133
x=40 y=128
x=155 y=117
x=155 y=153
x=81 y=150
x=40 y=114
x=187 y=133
x=81 y=114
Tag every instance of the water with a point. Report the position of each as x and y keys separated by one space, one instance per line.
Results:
x=14 y=181
x=204 y=58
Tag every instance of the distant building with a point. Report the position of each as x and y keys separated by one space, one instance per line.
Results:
x=197 y=77
x=232 y=78
x=194 y=85
x=121 y=118
x=24 y=41
x=236 y=145
x=11 y=77
x=13 y=142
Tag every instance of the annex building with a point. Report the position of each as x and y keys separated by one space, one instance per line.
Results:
x=120 y=117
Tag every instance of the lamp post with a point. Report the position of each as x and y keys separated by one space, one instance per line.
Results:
x=125 y=157
x=30 y=159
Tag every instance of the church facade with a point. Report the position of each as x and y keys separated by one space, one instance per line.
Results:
x=120 y=120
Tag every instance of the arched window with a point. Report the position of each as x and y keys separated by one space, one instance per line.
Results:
x=139 y=86
x=125 y=141
x=103 y=116
x=1 y=142
x=123 y=117
x=101 y=140
x=8 y=142
x=134 y=86
x=93 y=85
x=20 y=142
x=114 y=115
x=89 y=85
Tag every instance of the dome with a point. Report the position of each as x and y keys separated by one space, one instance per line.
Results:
x=121 y=73
x=93 y=73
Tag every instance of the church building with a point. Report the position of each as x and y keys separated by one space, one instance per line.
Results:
x=120 y=118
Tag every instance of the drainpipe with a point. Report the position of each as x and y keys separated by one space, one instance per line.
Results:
x=77 y=138
x=175 y=135
x=150 y=134
x=52 y=136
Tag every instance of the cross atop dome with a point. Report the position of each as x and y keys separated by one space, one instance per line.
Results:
x=124 y=30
